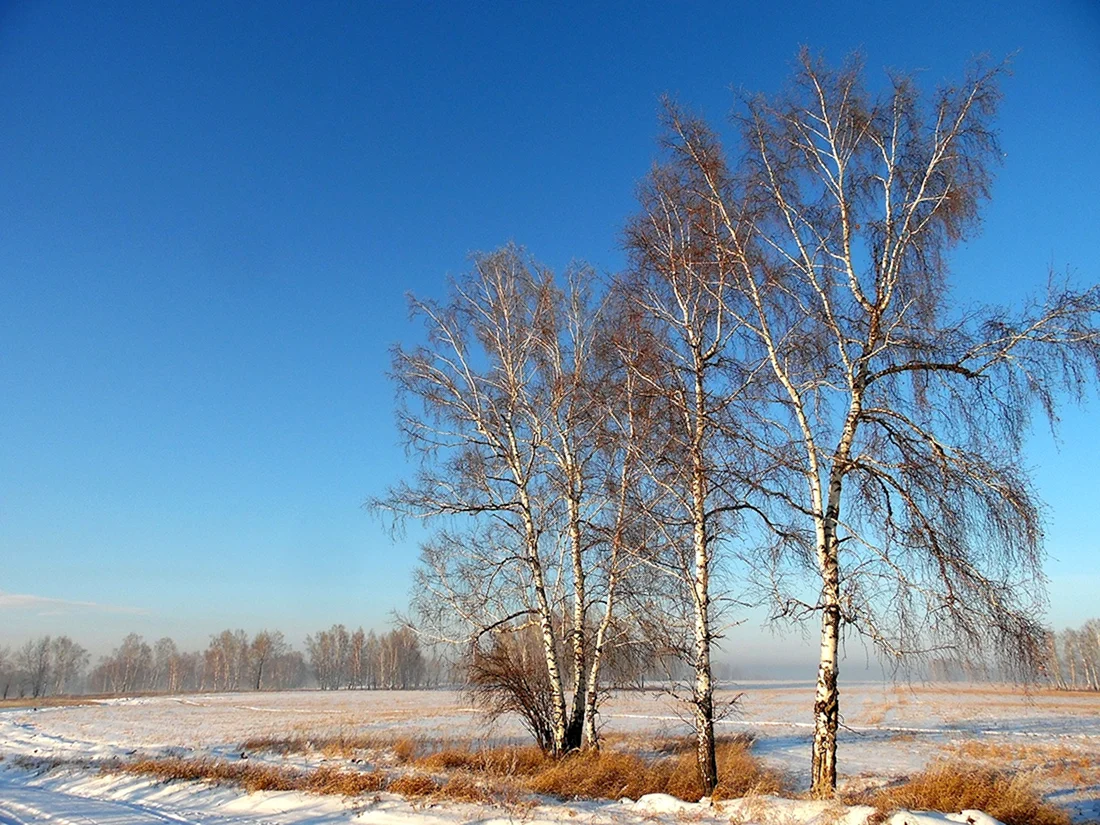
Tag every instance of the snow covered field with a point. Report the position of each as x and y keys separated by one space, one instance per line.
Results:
x=890 y=732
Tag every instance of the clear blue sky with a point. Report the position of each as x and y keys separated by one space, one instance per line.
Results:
x=210 y=213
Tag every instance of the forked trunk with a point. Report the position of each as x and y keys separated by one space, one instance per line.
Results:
x=553 y=673
x=549 y=647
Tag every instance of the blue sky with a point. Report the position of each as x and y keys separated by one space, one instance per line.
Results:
x=210 y=213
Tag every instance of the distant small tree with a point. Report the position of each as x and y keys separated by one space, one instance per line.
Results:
x=167 y=666
x=33 y=659
x=266 y=646
x=7 y=672
x=68 y=661
x=329 y=655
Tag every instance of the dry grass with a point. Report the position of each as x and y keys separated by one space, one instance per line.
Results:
x=414 y=785
x=1046 y=761
x=611 y=774
x=405 y=749
x=464 y=788
x=257 y=777
x=496 y=762
x=952 y=787
x=340 y=744
x=467 y=773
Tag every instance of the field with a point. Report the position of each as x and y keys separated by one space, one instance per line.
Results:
x=68 y=763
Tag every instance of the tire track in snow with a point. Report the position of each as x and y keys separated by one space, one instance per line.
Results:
x=30 y=805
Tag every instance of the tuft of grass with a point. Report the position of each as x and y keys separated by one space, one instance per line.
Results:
x=250 y=776
x=497 y=762
x=330 y=780
x=406 y=749
x=951 y=787
x=414 y=785
x=464 y=788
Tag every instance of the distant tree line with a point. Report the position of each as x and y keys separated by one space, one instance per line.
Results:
x=42 y=666
x=1073 y=657
x=232 y=661
x=358 y=660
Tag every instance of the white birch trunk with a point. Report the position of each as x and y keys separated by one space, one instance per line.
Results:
x=580 y=667
x=827 y=696
x=703 y=688
x=553 y=672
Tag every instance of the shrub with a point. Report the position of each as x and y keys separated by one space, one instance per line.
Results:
x=952 y=787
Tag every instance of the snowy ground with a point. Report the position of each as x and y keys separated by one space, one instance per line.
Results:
x=891 y=731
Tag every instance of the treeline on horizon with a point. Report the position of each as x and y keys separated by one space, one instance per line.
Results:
x=1073 y=658
x=232 y=661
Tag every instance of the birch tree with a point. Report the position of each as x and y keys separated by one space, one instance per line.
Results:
x=68 y=661
x=699 y=376
x=500 y=407
x=470 y=412
x=897 y=416
x=265 y=647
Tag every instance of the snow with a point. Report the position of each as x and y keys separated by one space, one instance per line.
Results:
x=890 y=732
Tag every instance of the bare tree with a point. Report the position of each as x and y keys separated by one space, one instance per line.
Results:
x=167 y=666
x=502 y=407
x=266 y=646
x=67 y=663
x=8 y=672
x=897 y=417
x=33 y=659
x=128 y=669
x=472 y=406
x=694 y=365
x=1072 y=660
x=329 y=654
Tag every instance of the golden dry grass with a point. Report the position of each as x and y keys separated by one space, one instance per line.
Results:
x=339 y=744
x=258 y=777
x=496 y=762
x=611 y=774
x=952 y=787
x=467 y=773
x=414 y=785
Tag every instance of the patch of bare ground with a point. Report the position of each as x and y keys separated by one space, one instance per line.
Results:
x=1008 y=796
x=48 y=702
